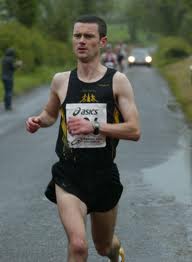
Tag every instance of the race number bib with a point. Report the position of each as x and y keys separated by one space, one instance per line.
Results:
x=91 y=112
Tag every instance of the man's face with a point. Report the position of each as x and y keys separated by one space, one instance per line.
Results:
x=86 y=41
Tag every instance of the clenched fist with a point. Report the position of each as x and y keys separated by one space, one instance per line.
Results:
x=33 y=124
x=79 y=126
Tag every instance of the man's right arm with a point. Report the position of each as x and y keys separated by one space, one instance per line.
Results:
x=49 y=114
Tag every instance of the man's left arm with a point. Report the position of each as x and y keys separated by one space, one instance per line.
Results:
x=123 y=93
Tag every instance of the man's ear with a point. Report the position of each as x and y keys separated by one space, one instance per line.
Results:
x=103 y=41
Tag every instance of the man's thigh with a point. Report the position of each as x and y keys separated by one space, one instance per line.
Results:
x=103 y=226
x=72 y=213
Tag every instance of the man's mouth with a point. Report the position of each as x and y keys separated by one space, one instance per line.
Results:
x=81 y=49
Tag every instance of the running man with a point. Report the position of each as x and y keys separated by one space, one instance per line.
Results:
x=85 y=180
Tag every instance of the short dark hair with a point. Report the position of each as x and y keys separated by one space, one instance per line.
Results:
x=94 y=20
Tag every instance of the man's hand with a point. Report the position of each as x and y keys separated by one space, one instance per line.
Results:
x=79 y=126
x=33 y=124
x=19 y=63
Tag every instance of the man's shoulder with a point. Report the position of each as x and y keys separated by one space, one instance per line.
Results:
x=61 y=75
x=121 y=82
x=119 y=76
x=60 y=79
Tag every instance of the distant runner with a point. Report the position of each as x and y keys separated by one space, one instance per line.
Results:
x=109 y=58
x=121 y=56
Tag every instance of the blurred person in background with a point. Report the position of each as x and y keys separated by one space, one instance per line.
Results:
x=109 y=58
x=121 y=53
x=9 y=64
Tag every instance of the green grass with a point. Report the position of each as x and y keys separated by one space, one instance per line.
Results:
x=180 y=81
x=25 y=82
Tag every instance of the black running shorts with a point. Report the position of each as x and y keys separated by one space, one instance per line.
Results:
x=99 y=189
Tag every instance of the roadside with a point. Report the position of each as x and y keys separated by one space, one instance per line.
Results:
x=23 y=106
x=179 y=78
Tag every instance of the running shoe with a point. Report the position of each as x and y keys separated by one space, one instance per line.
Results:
x=121 y=255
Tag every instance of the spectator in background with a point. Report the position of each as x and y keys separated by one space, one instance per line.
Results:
x=8 y=67
x=121 y=56
x=109 y=58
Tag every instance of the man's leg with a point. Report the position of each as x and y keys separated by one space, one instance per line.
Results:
x=103 y=226
x=73 y=213
x=8 y=86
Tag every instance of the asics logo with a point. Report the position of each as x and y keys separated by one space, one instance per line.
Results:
x=85 y=112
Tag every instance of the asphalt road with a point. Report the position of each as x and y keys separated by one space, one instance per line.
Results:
x=154 y=222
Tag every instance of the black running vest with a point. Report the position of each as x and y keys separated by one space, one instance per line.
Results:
x=81 y=92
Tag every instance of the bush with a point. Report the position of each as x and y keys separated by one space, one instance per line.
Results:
x=172 y=49
x=185 y=29
x=17 y=36
x=59 y=53
x=34 y=48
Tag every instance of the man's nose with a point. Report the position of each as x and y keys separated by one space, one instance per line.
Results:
x=82 y=39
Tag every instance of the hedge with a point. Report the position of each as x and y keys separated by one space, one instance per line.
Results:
x=33 y=47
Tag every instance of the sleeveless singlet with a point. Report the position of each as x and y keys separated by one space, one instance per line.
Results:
x=86 y=99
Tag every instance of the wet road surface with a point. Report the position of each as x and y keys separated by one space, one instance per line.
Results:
x=154 y=222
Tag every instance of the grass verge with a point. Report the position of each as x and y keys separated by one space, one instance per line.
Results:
x=179 y=78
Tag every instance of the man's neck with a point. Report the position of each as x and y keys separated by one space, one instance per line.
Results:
x=90 y=72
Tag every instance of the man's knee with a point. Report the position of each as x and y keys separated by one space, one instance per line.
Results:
x=78 y=246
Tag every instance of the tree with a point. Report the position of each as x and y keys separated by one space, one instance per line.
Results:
x=57 y=16
x=165 y=17
x=3 y=11
x=24 y=11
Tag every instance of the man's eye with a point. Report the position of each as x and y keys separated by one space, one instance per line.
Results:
x=77 y=35
x=88 y=36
